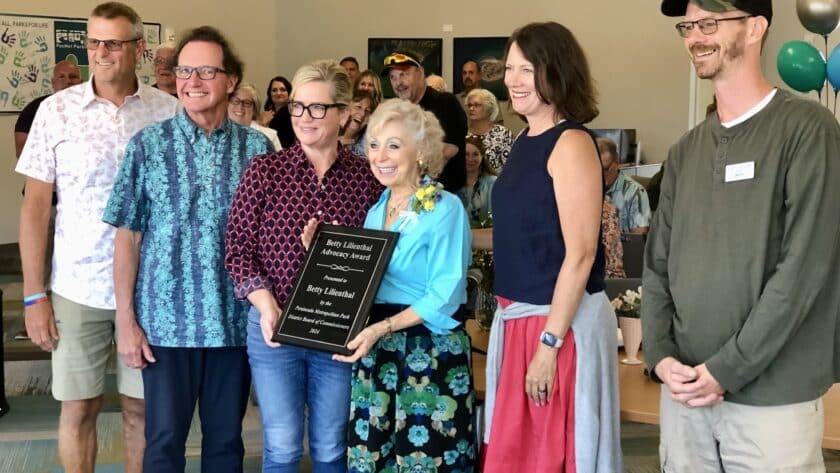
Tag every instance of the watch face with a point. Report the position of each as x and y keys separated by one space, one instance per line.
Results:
x=549 y=339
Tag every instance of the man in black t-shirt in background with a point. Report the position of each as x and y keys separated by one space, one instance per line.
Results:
x=408 y=79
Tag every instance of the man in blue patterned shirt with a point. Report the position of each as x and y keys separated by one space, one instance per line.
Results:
x=177 y=316
x=628 y=196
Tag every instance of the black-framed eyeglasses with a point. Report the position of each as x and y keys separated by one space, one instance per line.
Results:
x=244 y=103
x=706 y=25
x=316 y=110
x=163 y=61
x=110 y=44
x=204 y=72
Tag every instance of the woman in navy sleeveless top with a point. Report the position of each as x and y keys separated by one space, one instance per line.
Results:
x=552 y=382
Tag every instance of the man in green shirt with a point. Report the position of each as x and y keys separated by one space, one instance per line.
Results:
x=741 y=283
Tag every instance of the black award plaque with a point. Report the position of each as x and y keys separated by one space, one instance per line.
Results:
x=334 y=292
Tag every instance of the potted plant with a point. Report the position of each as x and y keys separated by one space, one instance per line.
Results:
x=627 y=306
x=482 y=268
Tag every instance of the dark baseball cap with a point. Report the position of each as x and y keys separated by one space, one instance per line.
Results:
x=754 y=7
x=400 y=60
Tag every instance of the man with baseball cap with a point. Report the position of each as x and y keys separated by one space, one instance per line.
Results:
x=740 y=283
x=408 y=79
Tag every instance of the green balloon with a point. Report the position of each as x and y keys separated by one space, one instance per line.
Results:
x=801 y=66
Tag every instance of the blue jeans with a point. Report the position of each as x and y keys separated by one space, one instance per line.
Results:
x=286 y=379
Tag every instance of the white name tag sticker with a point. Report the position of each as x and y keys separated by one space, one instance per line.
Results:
x=740 y=172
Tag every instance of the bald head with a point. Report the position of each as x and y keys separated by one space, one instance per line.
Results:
x=65 y=74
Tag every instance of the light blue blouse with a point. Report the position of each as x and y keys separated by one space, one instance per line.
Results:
x=429 y=266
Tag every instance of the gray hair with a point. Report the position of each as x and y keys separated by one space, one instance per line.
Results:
x=249 y=88
x=488 y=99
x=166 y=45
x=423 y=127
x=325 y=70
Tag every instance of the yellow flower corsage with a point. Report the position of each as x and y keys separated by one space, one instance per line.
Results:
x=427 y=196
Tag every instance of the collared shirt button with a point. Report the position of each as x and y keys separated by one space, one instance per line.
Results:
x=724 y=140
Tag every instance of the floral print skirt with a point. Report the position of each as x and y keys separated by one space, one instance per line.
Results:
x=412 y=405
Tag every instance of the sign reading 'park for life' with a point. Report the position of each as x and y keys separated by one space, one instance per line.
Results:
x=31 y=45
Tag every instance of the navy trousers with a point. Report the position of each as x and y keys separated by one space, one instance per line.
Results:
x=219 y=380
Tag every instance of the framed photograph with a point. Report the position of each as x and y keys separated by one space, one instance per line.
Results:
x=429 y=51
x=489 y=55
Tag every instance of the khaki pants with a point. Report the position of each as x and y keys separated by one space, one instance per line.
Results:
x=736 y=438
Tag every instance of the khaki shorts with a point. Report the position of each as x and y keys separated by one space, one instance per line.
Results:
x=86 y=340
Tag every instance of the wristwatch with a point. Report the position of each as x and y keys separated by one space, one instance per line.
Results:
x=550 y=340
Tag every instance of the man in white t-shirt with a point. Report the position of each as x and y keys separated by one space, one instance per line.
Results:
x=76 y=144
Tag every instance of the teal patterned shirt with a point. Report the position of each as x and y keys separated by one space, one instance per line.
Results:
x=175 y=186
x=631 y=201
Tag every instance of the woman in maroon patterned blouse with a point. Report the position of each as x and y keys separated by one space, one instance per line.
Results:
x=278 y=194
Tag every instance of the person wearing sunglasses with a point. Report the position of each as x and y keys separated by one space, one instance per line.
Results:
x=740 y=301
x=242 y=108
x=408 y=80
x=279 y=193
x=75 y=146
x=177 y=316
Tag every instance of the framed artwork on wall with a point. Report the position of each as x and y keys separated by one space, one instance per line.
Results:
x=489 y=55
x=429 y=50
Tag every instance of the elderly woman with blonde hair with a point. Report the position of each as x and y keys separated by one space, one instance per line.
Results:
x=412 y=395
x=278 y=194
x=482 y=115
x=242 y=108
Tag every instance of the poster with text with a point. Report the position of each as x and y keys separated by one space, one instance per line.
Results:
x=31 y=45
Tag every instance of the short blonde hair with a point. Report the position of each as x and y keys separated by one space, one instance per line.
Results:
x=423 y=127
x=325 y=70
x=488 y=99
x=249 y=88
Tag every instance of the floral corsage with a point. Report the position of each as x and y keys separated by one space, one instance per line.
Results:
x=427 y=196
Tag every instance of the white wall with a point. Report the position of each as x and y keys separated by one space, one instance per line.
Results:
x=636 y=56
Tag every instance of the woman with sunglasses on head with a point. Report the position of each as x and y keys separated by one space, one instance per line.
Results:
x=482 y=114
x=412 y=396
x=552 y=374
x=242 y=108
x=279 y=192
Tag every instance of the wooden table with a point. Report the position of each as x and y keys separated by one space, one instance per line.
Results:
x=640 y=396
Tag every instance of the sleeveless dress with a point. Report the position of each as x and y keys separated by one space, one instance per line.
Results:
x=578 y=431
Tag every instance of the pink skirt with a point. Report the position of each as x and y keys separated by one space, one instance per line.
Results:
x=525 y=437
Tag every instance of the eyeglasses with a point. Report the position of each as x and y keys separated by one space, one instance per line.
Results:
x=204 y=72
x=110 y=44
x=474 y=105
x=707 y=25
x=399 y=58
x=163 y=62
x=316 y=110
x=236 y=101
